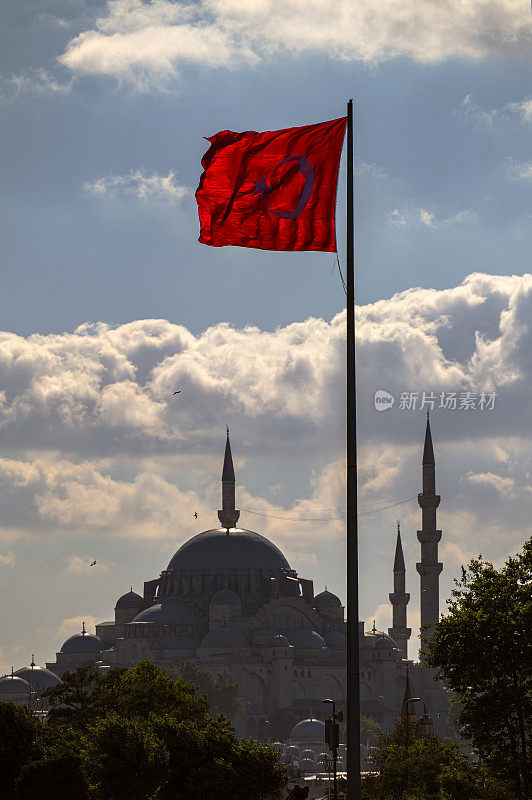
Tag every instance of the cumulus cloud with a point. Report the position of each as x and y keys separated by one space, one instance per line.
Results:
x=144 y=186
x=413 y=217
x=146 y=43
x=520 y=109
x=36 y=81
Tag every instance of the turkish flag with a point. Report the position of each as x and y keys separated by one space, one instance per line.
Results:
x=274 y=190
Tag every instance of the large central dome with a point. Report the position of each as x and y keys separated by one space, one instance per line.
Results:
x=234 y=549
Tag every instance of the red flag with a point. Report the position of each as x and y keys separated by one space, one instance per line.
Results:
x=274 y=190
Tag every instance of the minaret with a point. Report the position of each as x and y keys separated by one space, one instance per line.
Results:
x=429 y=568
x=228 y=515
x=399 y=600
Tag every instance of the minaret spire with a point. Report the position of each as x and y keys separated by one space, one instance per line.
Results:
x=399 y=599
x=429 y=567
x=228 y=514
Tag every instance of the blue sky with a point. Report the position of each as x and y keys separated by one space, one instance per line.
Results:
x=103 y=107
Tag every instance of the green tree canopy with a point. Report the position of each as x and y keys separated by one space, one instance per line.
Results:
x=221 y=692
x=482 y=649
x=19 y=732
x=84 y=696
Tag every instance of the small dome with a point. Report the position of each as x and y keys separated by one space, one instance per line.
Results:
x=292 y=750
x=167 y=611
x=225 y=637
x=309 y=730
x=82 y=643
x=225 y=597
x=306 y=764
x=305 y=637
x=129 y=600
x=279 y=746
x=385 y=643
x=326 y=600
x=308 y=754
x=13 y=685
x=336 y=639
x=38 y=678
x=321 y=757
x=280 y=641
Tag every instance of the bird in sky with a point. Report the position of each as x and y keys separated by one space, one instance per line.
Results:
x=178 y=392
x=195 y=514
x=93 y=563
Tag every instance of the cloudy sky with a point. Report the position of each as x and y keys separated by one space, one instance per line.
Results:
x=109 y=303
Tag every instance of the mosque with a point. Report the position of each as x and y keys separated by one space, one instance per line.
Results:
x=230 y=602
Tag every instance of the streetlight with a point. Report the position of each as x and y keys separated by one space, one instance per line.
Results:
x=332 y=738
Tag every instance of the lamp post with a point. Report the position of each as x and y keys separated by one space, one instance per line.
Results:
x=332 y=738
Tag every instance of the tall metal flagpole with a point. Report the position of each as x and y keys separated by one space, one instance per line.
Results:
x=353 y=672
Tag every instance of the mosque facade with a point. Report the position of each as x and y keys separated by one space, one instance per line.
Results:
x=230 y=602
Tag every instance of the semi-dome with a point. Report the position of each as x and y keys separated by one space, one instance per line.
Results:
x=308 y=730
x=39 y=678
x=225 y=637
x=308 y=754
x=169 y=611
x=82 y=643
x=326 y=600
x=335 y=639
x=225 y=597
x=129 y=600
x=306 y=765
x=305 y=637
x=219 y=550
x=280 y=641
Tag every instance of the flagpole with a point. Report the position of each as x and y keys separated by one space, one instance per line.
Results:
x=353 y=672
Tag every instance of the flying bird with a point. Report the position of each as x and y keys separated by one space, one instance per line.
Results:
x=195 y=514
x=178 y=392
x=93 y=563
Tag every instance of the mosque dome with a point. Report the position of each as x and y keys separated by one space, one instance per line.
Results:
x=308 y=730
x=280 y=641
x=306 y=765
x=225 y=637
x=219 y=550
x=326 y=600
x=305 y=637
x=167 y=612
x=336 y=639
x=82 y=643
x=225 y=597
x=129 y=600
x=308 y=754
x=39 y=678
x=12 y=686
x=385 y=642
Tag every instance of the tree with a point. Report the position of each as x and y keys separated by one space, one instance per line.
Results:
x=411 y=766
x=221 y=692
x=19 y=734
x=123 y=759
x=53 y=778
x=482 y=649
x=84 y=696
x=369 y=730
x=210 y=761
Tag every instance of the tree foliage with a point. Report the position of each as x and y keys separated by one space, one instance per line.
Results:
x=19 y=732
x=221 y=692
x=482 y=649
x=140 y=734
x=410 y=766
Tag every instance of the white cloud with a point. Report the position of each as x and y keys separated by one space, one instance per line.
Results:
x=521 y=171
x=146 y=43
x=521 y=109
x=7 y=559
x=35 y=81
x=82 y=565
x=498 y=483
x=144 y=186
x=71 y=625
x=411 y=217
